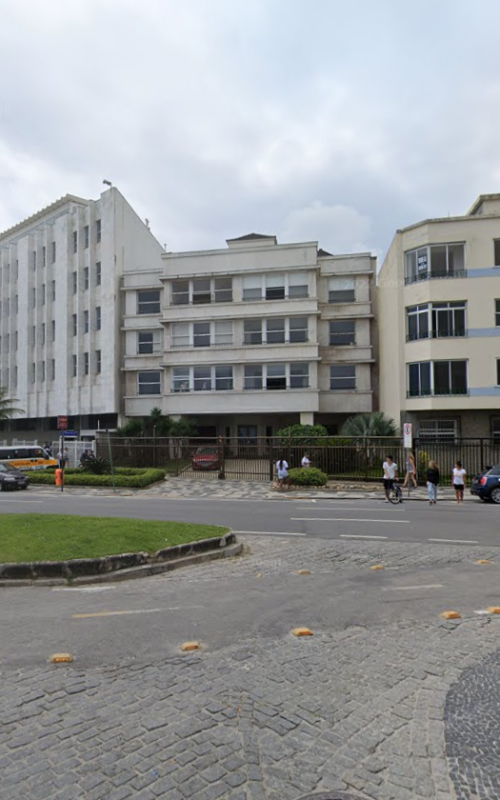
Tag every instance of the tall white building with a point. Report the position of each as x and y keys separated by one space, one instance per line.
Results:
x=60 y=323
x=252 y=337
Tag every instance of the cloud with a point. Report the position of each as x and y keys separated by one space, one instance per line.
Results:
x=337 y=229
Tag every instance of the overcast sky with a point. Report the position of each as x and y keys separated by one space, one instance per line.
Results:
x=309 y=119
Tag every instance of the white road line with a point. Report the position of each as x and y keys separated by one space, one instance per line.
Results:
x=359 y=536
x=455 y=541
x=348 y=519
x=19 y=502
x=271 y=533
x=344 y=508
x=412 y=588
x=82 y=588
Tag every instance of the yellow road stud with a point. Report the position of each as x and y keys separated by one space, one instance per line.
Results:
x=493 y=610
x=377 y=566
x=258 y=575
x=303 y=572
x=450 y=615
x=302 y=632
x=483 y=561
x=187 y=647
x=61 y=658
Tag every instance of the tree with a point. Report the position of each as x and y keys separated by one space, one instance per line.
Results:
x=302 y=435
x=362 y=426
x=158 y=423
x=131 y=429
x=183 y=428
x=7 y=410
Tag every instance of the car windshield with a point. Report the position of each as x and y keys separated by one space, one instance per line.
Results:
x=7 y=468
x=494 y=470
x=206 y=451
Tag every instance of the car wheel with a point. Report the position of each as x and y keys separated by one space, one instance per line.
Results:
x=495 y=495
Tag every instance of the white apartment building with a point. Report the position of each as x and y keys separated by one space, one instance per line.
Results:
x=439 y=325
x=251 y=338
x=60 y=312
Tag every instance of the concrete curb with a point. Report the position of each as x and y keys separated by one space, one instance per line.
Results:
x=117 y=567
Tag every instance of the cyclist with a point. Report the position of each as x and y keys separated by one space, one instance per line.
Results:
x=390 y=475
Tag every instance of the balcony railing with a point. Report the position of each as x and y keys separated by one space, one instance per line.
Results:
x=450 y=334
x=456 y=393
x=430 y=275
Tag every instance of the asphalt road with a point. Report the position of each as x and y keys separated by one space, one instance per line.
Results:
x=472 y=523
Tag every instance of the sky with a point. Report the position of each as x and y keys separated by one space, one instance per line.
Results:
x=308 y=119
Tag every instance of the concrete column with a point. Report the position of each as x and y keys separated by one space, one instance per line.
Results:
x=307 y=418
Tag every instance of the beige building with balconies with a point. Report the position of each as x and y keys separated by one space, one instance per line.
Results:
x=439 y=325
x=252 y=337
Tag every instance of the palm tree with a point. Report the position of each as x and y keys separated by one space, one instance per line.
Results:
x=363 y=426
x=7 y=410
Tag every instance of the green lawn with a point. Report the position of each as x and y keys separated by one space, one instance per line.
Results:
x=57 y=537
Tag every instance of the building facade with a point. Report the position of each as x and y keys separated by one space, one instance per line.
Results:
x=60 y=311
x=251 y=338
x=439 y=325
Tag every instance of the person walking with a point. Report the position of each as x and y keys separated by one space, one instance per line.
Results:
x=432 y=482
x=282 y=467
x=411 y=470
x=306 y=461
x=458 y=481
x=390 y=475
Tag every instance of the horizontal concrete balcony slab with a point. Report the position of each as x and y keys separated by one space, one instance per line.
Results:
x=351 y=354
x=347 y=310
x=141 y=322
x=262 y=308
x=232 y=402
x=240 y=355
x=346 y=402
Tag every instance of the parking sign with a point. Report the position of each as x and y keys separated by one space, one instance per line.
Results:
x=407 y=435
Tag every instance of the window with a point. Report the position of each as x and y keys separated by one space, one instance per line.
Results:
x=498 y=372
x=201 y=334
x=496 y=246
x=298 y=285
x=252 y=331
x=75 y=242
x=253 y=376
x=148 y=342
x=75 y=325
x=223 y=290
x=276 y=377
x=98 y=318
x=53 y=252
x=44 y=256
x=43 y=333
x=43 y=294
x=75 y=282
x=298 y=330
x=53 y=369
x=16 y=340
x=148 y=302
x=342 y=332
x=15 y=376
x=437 y=430
x=275 y=331
x=16 y=304
x=180 y=379
x=223 y=333
x=86 y=236
x=275 y=287
x=98 y=273
x=53 y=327
x=86 y=278
x=7 y=305
x=33 y=297
x=343 y=378
x=437 y=378
x=436 y=320
x=497 y=312
x=180 y=293
x=85 y=321
x=85 y=363
x=202 y=379
x=417 y=322
x=223 y=378
x=180 y=334
x=33 y=335
x=33 y=373
x=7 y=343
x=42 y=371
x=252 y=287
x=75 y=366
x=201 y=291
x=98 y=361
x=53 y=291
x=149 y=382
x=299 y=376
x=34 y=259
x=342 y=290
x=435 y=261
x=98 y=230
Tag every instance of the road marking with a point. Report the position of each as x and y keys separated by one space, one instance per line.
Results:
x=455 y=541
x=82 y=588
x=360 y=536
x=349 y=519
x=411 y=588
x=344 y=508
x=271 y=533
x=18 y=502
x=128 y=613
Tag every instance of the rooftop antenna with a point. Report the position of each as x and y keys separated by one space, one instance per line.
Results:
x=108 y=183
x=147 y=223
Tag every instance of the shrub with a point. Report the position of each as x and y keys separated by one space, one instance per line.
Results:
x=139 y=480
x=309 y=476
x=130 y=429
x=302 y=435
x=97 y=465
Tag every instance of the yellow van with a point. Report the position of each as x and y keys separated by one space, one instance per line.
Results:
x=26 y=458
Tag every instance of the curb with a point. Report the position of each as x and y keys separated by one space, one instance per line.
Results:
x=117 y=567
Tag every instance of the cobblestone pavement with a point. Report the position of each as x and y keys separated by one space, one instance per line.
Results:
x=359 y=710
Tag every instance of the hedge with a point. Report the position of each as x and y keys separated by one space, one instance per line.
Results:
x=76 y=477
x=307 y=476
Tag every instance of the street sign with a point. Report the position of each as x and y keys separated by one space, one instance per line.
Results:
x=407 y=435
x=70 y=434
x=62 y=423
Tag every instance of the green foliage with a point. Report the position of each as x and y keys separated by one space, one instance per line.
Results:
x=131 y=429
x=374 y=424
x=97 y=465
x=308 y=476
x=7 y=410
x=128 y=478
x=183 y=428
x=302 y=435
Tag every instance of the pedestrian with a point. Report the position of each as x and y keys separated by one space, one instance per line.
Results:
x=432 y=482
x=306 y=461
x=411 y=470
x=390 y=475
x=282 y=467
x=458 y=481
x=48 y=449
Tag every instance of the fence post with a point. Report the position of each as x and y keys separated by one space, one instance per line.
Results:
x=271 y=462
x=222 y=455
x=482 y=453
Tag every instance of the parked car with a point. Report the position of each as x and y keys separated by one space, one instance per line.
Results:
x=11 y=478
x=486 y=485
x=206 y=457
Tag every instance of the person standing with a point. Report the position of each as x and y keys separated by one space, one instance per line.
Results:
x=282 y=467
x=432 y=482
x=458 y=481
x=411 y=470
x=306 y=461
x=390 y=475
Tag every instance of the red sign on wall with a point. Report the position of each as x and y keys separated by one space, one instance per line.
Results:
x=62 y=423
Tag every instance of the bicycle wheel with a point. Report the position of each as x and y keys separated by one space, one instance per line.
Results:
x=395 y=495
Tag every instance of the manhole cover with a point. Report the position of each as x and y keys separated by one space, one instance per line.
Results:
x=334 y=795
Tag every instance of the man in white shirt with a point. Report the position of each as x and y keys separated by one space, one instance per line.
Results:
x=306 y=461
x=390 y=475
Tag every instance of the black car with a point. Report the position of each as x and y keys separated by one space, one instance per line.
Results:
x=486 y=485
x=11 y=478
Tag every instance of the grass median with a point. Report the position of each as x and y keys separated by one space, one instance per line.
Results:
x=57 y=537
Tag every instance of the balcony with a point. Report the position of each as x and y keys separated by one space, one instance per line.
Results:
x=449 y=334
x=430 y=275
x=454 y=393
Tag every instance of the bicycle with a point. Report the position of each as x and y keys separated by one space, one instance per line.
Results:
x=395 y=494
